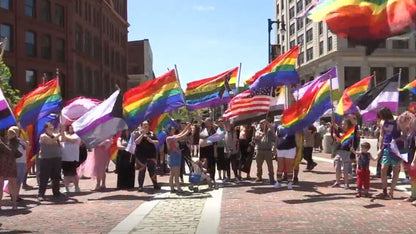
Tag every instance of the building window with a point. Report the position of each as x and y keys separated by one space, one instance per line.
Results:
x=30 y=80
x=283 y=5
x=321 y=47
x=380 y=73
x=283 y=38
x=400 y=44
x=78 y=38
x=300 y=39
x=96 y=84
x=292 y=43
x=404 y=80
x=277 y=9
x=329 y=43
x=6 y=4
x=351 y=75
x=80 y=77
x=45 y=49
x=59 y=15
x=309 y=54
x=46 y=10
x=97 y=49
x=299 y=6
x=301 y=58
x=30 y=41
x=292 y=29
x=88 y=44
x=291 y=12
x=307 y=2
x=309 y=35
x=308 y=21
x=299 y=23
x=106 y=55
x=6 y=31
x=320 y=28
x=30 y=8
x=88 y=79
x=60 y=50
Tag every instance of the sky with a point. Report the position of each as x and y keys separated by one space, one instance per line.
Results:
x=203 y=37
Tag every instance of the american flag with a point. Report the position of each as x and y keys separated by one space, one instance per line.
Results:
x=248 y=103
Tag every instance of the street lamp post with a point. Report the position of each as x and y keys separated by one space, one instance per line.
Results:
x=270 y=28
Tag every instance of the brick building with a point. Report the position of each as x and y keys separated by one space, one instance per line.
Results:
x=85 y=39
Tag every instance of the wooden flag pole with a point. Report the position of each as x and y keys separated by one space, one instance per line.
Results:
x=375 y=80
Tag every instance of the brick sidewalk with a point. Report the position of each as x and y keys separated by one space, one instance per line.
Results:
x=312 y=207
x=249 y=207
x=85 y=212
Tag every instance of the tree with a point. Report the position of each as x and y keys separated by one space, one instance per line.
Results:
x=11 y=94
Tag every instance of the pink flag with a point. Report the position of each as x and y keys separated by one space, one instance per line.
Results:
x=76 y=108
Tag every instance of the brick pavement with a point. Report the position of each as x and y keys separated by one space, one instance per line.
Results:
x=85 y=212
x=174 y=214
x=312 y=207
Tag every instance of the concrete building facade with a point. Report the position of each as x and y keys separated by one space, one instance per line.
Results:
x=321 y=50
x=85 y=39
x=140 y=63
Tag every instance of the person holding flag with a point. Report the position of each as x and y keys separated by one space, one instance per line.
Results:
x=344 y=140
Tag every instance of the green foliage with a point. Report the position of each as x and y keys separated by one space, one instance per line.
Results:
x=11 y=94
x=184 y=114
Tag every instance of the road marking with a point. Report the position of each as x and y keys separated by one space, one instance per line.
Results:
x=135 y=217
x=211 y=214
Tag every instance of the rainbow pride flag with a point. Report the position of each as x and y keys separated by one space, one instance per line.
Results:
x=280 y=71
x=411 y=86
x=351 y=94
x=304 y=112
x=367 y=20
x=39 y=104
x=114 y=147
x=348 y=137
x=159 y=124
x=152 y=98
x=211 y=91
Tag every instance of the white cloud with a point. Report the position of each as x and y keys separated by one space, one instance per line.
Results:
x=203 y=8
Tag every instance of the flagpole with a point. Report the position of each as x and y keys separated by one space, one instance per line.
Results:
x=332 y=105
x=375 y=80
x=238 y=80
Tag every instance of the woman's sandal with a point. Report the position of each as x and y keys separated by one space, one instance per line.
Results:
x=391 y=194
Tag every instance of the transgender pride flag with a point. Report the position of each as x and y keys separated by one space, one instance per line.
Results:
x=6 y=117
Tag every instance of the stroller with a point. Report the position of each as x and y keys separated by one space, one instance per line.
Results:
x=195 y=177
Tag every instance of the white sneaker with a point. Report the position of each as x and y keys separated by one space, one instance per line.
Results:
x=290 y=185
x=277 y=185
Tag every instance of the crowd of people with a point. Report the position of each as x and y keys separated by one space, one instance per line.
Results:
x=216 y=150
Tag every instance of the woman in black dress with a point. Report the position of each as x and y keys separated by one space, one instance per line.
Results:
x=125 y=163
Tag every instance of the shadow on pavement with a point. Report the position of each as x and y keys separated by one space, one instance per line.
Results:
x=10 y=212
x=316 y=199
x=320 y=172
x=122 y=198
